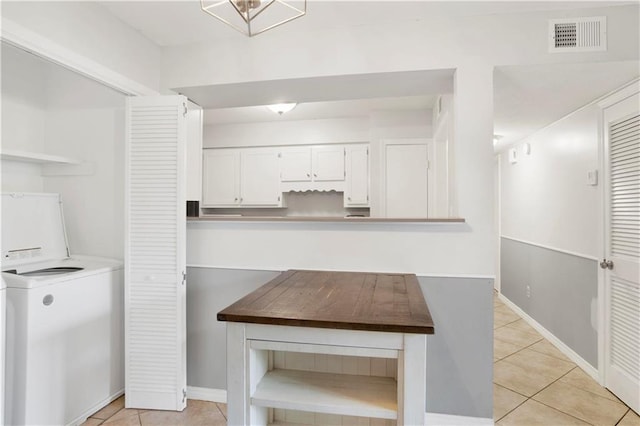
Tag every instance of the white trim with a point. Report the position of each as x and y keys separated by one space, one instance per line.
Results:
x=566 y=350
x=26 y=39
x=282 y=269
x=220 y=396
x=207 y=394
x=619 y=94
x=450 y=419
x=572 y=253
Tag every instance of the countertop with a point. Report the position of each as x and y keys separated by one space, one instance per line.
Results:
x=237 y=218
x=339 y=300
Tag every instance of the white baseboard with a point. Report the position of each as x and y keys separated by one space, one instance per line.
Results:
x=207 y=394
x=566 y=350
x=220 y=395
x=451 y=420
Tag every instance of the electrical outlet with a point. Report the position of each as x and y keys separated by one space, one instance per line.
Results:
x=528 y=291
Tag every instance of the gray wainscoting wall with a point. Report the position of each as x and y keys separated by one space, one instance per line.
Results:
x=563 y=290
x=459 y=354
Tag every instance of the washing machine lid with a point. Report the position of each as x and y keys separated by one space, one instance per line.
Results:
x=32 y=229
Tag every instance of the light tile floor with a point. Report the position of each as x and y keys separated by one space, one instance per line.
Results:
x=534 y=384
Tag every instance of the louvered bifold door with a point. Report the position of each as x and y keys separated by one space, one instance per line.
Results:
x=155 y=298
x=622 y=280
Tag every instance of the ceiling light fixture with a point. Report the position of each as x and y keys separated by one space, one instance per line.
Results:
x=252 y=17
x=282 y=108
x=496 y=139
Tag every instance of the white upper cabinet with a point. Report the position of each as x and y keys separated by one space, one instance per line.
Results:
x=308 y=168
x=328 y=163
x=295 y=164
x=356 y=193
x=259 y=178
x=221 y=177
x=241 y=178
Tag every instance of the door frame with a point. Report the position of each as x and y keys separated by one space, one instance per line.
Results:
x=619 y=95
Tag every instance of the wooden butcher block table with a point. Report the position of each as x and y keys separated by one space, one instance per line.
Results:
x=333 y=313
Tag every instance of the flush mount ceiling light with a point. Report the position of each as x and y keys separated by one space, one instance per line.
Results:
x=252 y=17
x=282 y=108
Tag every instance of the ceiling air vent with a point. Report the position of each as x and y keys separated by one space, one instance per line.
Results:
x=578 y=34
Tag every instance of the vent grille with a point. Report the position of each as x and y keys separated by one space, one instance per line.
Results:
x=578 y=34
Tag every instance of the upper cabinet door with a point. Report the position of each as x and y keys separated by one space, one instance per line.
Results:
x=260 y=185
x=295 y=164
x=221 y=177
x=328 y=163
x=356 y=193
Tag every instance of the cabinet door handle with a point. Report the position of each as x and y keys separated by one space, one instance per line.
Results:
x=235 y=199
x=308 y=175
x=315 y=175
x=349 y=198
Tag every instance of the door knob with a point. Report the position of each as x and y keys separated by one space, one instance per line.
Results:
x=606 y=264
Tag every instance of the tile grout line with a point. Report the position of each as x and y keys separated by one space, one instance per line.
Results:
x=550 y=384
x=623 y=416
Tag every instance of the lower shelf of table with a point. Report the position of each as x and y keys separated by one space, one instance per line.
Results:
x=344 y=394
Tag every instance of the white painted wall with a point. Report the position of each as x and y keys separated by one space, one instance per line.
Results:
x=471 y=45
x=298 y=132
x=449 y=250
x=398 y=45
x=23 y=117
x=545 y=196
x=88 y=29
x=49 y=109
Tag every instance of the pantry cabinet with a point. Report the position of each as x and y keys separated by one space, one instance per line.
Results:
x=241 y=178
x=356 y=192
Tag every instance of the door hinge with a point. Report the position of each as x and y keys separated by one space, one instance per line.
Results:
x=184 y=277
x=279 y=155
x=184 y=114
x=184 y=395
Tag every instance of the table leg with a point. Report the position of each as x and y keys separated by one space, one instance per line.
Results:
x=237 y=380
x=412 y=374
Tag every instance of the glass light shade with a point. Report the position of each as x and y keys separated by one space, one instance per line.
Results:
x=282 y=108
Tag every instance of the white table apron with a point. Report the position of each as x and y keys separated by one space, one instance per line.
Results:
x=253 y=386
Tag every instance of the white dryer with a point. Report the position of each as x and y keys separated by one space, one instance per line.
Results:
x=65 y=316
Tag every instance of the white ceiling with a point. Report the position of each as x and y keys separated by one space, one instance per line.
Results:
x=175 y=23
x=527 y=98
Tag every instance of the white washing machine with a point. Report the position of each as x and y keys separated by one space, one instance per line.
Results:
x=3 y=293
x=64 y=318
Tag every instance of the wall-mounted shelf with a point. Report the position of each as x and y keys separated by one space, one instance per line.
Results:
x=35 y=157
x=51 y=165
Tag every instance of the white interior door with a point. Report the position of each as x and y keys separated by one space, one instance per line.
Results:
x=406 y=179
x=622 y=250
x=155 y=253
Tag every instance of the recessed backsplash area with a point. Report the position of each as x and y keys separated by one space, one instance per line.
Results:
x=298 y=204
